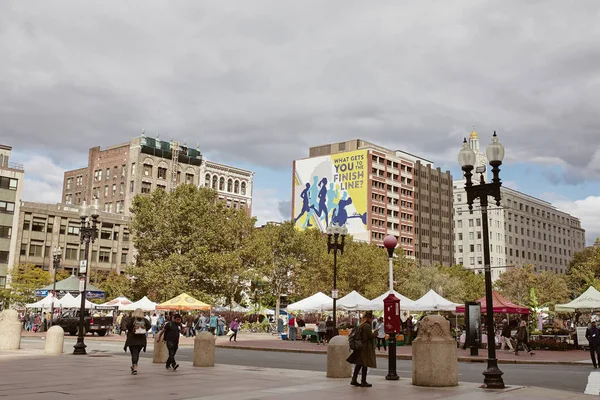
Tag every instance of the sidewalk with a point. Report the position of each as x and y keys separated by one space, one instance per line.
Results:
x=268 y=342
x=27 y=376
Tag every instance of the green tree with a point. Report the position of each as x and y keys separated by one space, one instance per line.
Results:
x=515 y=284
x=584 y=270
x=116 y=285
x=188 y=241
x=25 y=280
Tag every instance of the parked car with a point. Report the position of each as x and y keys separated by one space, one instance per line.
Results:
x=69 y=321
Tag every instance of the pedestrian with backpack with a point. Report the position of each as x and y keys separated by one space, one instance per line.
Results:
x=137 y=330
x=171 y=334
x=361 y=340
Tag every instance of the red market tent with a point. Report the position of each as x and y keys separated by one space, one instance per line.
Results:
x=501 y=306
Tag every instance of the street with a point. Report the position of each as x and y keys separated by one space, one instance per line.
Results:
x=560 y=377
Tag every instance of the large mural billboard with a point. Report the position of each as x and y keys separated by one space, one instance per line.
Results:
x=332 y=189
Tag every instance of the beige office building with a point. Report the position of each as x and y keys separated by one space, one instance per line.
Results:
x=11 y=189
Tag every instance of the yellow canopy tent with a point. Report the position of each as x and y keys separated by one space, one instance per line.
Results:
x=183 y=302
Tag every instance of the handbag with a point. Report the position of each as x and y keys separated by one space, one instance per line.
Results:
x=230 y=333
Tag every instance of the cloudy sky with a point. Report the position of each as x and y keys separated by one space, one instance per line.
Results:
x=255 y=83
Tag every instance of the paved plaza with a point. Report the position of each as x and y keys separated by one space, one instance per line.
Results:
x=28 y=374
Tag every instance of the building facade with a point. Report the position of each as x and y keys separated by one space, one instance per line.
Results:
x=377 y=191
x=118 y=173
x=11 y=189
x=523 y=230
x=43 y=227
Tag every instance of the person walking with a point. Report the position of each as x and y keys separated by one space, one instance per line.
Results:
x=592 y=334
x=171 y=333
x=322 y=331
x=505 y=335
x=234 y=326
x=154 y=324
x=301 y=325
x=137 y=329
x=364 y=356
x=202 y=323
x=522 y=338
x=380 y=329
x=212 y=324
x=329 y=328
x=221 y=323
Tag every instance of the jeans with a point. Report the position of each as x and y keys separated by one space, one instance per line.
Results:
x=220 y=327
x=172 y=347
x=234 y=336
x=293 y=332
x=135 y=354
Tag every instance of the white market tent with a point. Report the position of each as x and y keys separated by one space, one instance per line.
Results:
x=353 y=301
x=432 y=301
x=588 y=301
x=377 y=303
x=317 y=302
x=69 y=301
x=144 y=303
x=46 y=302
x=118 y=302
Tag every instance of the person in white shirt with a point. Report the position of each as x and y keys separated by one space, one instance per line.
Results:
x=154 y=324
x=380 y=329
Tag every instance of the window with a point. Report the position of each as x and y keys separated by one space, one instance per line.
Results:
x=460 y=236
x=38 y=225
x=73 y=230
x=104 y=255
x=23 y=249
x=131 y=186
x=214 y=182
x=119 y=207
x=222 y=184
x=147 y=170
x=109 y=207
x=470 y=223
x=123 y=170
x=10 y=183
x=230 y=185
x=105 y=234
x=459 y=224
x=471 y=248
x=122 y=188
x=35 y=249
x=162 y=173
x=146 y=187
x=124 y=257
x=3 y=257
x=106 y=191
x=207 y=180
x=5 y=232
x=478 y=235
x=114 y=189
x=69 y=182
x=479 y=248
x=7 y=207
x=460 y=249
x=243 y=188
x=189 y=179
x=107 y=173
x=126 y=236
x=161 y=187
x=478 y=222
x=70 y=253
x=471 y=235
x=132 y=169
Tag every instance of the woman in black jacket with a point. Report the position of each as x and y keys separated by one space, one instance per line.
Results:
x=137 y=330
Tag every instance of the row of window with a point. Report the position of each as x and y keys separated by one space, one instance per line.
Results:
x=69 y=227
x=233 y=186
x=98 y=174
x=72 y=253
x=7 y=207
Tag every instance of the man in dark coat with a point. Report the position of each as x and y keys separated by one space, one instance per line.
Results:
x=592 y=334
x=364 y=357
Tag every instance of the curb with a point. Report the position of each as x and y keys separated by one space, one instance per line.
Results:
x=406 y=357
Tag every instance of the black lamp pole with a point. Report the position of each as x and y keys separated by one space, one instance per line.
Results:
x=466 y=157
x=335 y=241
x=87 y=234
x=56 y=253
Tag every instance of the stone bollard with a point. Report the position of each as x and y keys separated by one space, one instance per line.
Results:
x=55 y=339
x=160 y=354
x=204 y=350
x=434 y=361
x=338 y=350
x=10 y=330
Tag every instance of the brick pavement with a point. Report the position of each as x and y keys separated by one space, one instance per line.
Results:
x=27 y=375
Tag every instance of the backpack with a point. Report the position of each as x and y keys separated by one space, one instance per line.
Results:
x=139 y=326
x=354 y=339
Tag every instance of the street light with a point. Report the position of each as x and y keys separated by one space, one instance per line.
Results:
x=56 y=253
x=391 y=306
x=335 y=241
x=87 y=234
x=466 y=159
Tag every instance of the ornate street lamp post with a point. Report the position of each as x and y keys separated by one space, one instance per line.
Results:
x=335 y=241
x=87 y=234
x=56 y=253
x=391 y=307
x=466 y=159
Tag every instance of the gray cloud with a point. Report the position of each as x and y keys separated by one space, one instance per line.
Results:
x=262 y=81
x=285 y=209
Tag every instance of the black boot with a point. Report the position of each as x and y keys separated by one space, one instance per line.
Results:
x=364 y=382
x=354 y=381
